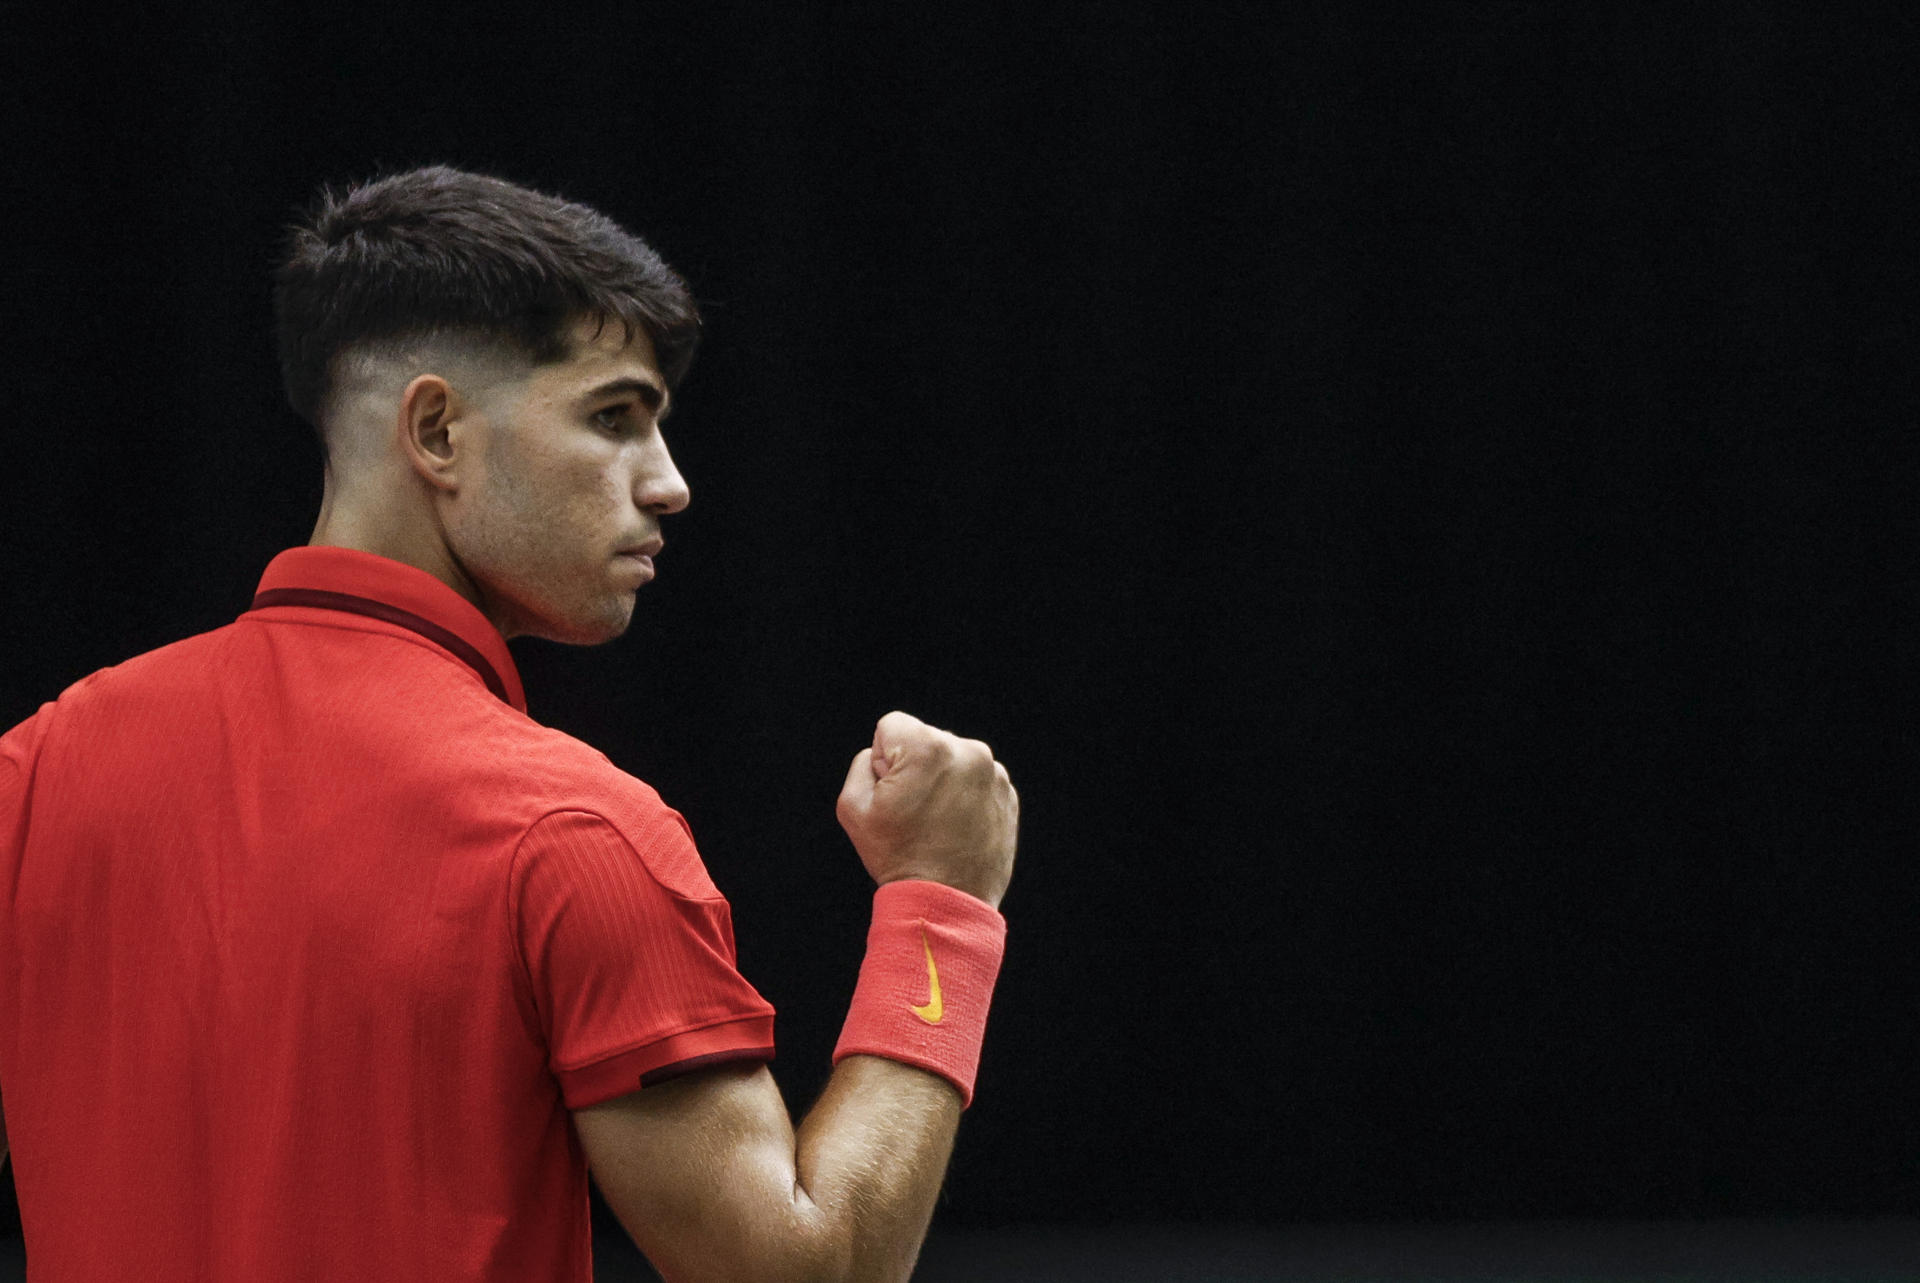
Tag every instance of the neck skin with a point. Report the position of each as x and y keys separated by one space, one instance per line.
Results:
x=372 y=514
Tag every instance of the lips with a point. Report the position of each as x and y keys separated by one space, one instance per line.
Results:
x=640 y=556
x=636 y=563
x=649 y=549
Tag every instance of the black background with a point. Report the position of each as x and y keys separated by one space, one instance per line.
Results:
x=1417 y=505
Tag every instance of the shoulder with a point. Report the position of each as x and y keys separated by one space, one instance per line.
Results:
x=99 y=709
x=190 y=661
x=575 y=797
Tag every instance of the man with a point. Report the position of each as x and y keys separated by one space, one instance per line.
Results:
x=320 y=959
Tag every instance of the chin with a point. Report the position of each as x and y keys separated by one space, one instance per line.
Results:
x=586 y=628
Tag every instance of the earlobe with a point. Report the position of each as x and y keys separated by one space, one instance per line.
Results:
x=429 y=408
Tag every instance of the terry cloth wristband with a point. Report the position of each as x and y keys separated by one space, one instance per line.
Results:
x=932 y=955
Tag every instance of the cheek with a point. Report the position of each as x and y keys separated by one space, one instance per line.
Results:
x=595 y=509
x=573 y=516
x=549 y=514
x=610 y=485
x=583 y=500
x=513 y=509
x=503 y=522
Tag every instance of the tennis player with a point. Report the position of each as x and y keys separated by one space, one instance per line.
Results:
x=320 y=959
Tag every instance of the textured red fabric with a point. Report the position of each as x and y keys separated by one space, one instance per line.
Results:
x=309 y=941
x=933 y=954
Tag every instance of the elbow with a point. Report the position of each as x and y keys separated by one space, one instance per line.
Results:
x=821 y=1247
x=803 y=1246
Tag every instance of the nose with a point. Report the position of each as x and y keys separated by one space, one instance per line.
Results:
x=658 y=486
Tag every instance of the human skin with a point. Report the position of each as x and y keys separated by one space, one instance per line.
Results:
x=519 y=487
x=535 y=492
x=708 y=1173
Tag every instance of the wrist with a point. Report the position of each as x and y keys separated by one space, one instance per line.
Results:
x=933 y=955
x=911 y=880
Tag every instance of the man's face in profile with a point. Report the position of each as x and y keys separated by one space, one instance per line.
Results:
x=557 y=526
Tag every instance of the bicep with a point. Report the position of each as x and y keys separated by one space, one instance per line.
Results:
x=701 y=1172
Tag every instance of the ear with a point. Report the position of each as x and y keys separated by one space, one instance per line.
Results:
x=429 y=439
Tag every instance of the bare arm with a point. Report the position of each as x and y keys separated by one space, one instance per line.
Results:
x=710 y=1179
x=707 y=1172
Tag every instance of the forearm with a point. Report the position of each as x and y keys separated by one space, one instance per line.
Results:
x=709 y=1174
x=873 y=1151
x=710 y=1177
x=870 y=1158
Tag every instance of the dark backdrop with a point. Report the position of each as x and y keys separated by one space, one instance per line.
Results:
x=1411 y=502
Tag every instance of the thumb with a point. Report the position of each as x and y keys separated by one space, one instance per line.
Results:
x=887 y=760
x=891 y=738
x=856 y=795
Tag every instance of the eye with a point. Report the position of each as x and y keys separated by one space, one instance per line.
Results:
x=613 y=418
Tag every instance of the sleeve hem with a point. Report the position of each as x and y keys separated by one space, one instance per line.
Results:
x=746 y=1038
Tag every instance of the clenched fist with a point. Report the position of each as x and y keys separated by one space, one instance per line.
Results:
x=925 y=804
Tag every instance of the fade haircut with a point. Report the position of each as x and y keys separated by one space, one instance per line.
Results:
x=440 y=252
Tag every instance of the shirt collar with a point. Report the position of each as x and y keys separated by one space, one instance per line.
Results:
x=364 y=583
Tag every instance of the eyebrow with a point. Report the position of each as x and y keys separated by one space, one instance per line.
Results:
x=652 y=394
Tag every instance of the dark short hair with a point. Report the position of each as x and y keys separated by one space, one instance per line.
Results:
x=440 y=251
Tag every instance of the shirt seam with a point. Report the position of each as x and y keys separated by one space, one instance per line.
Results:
x=625 y=841
x=512 y=899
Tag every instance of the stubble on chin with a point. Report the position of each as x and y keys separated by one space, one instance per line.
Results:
x=532 y=604
x=617 y=618
x=592 y=619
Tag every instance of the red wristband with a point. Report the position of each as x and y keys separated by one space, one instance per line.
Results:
x=932 y=955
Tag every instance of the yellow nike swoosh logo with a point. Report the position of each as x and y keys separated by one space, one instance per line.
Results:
x=932 y=1012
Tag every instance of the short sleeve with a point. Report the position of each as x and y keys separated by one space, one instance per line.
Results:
x=633 y=980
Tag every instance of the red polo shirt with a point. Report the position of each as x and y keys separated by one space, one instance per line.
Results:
x=310 y=938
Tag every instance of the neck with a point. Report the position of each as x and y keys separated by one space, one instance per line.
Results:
x=393 y=531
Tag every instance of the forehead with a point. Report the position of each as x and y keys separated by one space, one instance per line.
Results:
x=603 y=348
x=607 y=342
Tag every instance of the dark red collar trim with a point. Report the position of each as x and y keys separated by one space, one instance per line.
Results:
x=323 y=600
